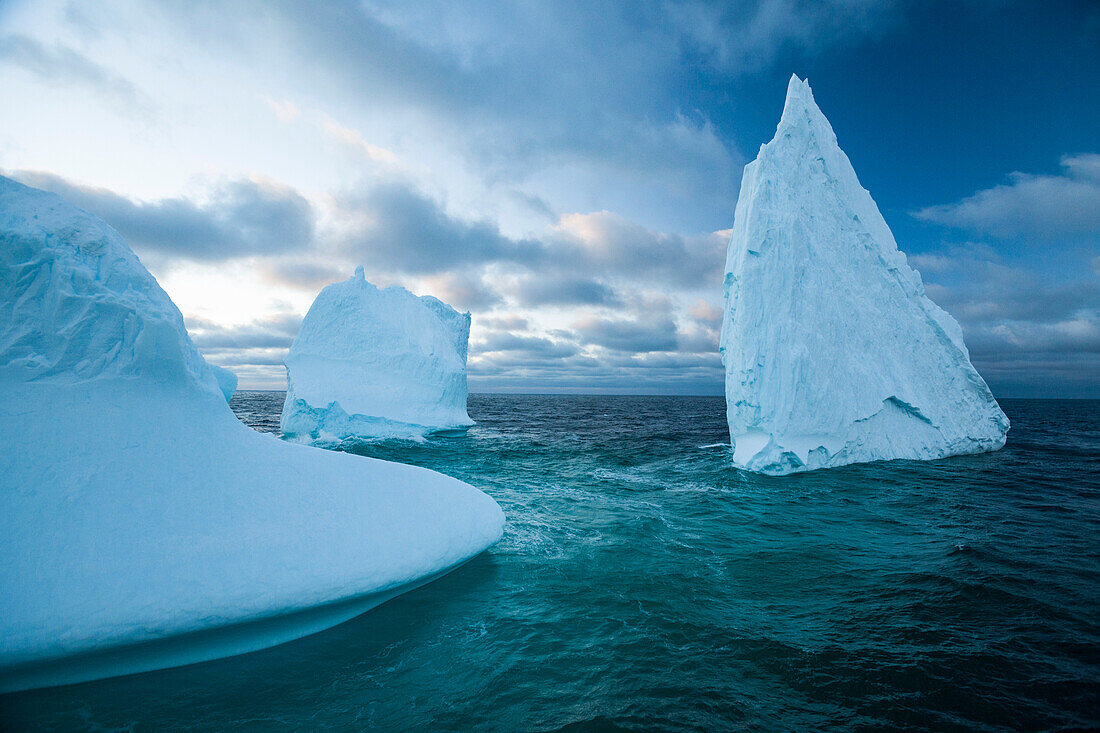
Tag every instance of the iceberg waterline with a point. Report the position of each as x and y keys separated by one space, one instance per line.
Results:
x=138 y=511
x=833 y=353
x=369 y=363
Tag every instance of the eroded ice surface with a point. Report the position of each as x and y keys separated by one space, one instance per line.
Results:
x=141 y=524
x=833 y=353
x=369 y=363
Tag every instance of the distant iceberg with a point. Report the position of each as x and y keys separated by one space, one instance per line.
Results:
x=141 y=524
x=376 y=363
x=833 y=353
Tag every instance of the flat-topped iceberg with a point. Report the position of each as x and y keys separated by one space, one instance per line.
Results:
x=141 y=524
x=833 y=353
x=371 y=363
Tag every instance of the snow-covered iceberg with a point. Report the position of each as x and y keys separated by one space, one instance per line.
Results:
x=141 y=524
x=371 y=363
x=833 y=353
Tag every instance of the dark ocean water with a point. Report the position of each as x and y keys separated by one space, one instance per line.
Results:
x=642 y=584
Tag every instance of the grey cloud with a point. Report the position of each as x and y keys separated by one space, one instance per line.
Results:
x=610 y=243
x=531 y=346
x=628 y=335
x=507 y=322
x=258 y=357
x=242 y=218
x=671 y=361
x=395 y=227
x=976 y=286
x=698 y=340
x=1025 y=333
x=464 y=290
x=276 y=332
x=306 y=275
x=1037 y=207
x=538 y=291
x=1031 y=375
x=64 y=65
x=706 y=314
x=743 y=36
x=585 y=375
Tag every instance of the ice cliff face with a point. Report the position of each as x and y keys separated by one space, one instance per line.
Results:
x=376 y=363
x=141 y=524
x=833 y=353
x=63 y=266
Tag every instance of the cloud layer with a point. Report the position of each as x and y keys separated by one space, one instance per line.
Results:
x=1041 y=208
x=239 y=218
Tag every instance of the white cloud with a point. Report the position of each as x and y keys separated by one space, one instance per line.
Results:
x=285 y=110
x=1041 y=207
x=353 y=140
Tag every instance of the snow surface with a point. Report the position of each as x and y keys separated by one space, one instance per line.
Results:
x=141 y=524
x=833 y=353
x=373 y=363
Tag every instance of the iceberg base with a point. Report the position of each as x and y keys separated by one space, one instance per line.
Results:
x=199 y=646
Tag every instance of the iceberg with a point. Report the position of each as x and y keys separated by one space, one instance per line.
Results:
x=833 y=353
x=373 y=363
x=227 y=381
x=142 y=525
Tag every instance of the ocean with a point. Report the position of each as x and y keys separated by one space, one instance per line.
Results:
x=643 y=584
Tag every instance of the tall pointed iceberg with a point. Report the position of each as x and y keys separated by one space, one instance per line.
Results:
x=372 y=363
x=832 y=351
x=141 y=524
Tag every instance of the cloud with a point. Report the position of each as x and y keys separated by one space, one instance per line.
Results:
x=698 y=341
x=536 y=347
x=740 y=37
x=506 y=322
x=463 y=290
x=285 y=110
x=633 y=336
x=509 y=110
x=395 y=227
x=978 y=287
x=353 y=140
x=539 y=290
x=610 y=243
x=706 y=314
x=274 y=332
x=62 y=64
x=642 y=374
x=1039 y=207
x=307 y=275
x=241 y=218
x=1024 y=331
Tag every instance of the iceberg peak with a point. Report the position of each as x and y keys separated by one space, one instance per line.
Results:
x=359 y=273
x=802 y=117
x=798 y=88
x=833 y=353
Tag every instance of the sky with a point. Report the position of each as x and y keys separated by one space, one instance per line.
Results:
x=565 y=171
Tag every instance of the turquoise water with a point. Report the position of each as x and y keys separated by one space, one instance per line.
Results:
x=642 y=584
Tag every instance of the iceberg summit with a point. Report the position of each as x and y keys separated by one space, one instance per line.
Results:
x=142 y=525
x=833 y=353
x=373 y=363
